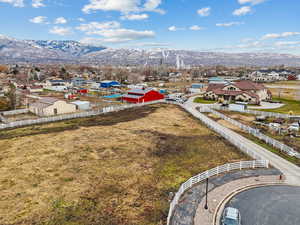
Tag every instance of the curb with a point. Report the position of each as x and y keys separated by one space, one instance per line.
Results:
x=237 y=191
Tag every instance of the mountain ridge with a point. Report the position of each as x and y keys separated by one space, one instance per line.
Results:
x=68 y=51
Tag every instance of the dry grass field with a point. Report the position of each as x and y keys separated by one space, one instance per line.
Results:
x=116 y=169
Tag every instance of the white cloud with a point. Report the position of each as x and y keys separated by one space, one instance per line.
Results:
x=152 y=44
x=62 y=31
x=124 y=6
x=81 y=19
x=282 y=35
x=92 y=27
x=124 y=35
x=230 y=24
x=196 y=27
x=15 y=3
x=173 y=28
x=242 y=11
x=287 y=43
x=38 y=3
x=253 y=2
x=113 y=32
x=60 y=20
x=246 y=40
x=92 y=41
x=135 y=17
x=152 y=5
x=39 y=20
x=204 y=11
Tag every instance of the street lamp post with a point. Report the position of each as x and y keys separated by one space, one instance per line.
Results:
x=206 y=206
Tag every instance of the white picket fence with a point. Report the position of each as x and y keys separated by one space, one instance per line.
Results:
x=255 y=112
x=210 y=173
x=75 y=115
x=255 y=132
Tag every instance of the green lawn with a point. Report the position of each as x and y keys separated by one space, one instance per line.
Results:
x=204 y=101
x=290 y=106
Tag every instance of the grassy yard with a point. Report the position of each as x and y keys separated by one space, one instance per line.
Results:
x=204 y=101
x=108 y=170
x=290 y=106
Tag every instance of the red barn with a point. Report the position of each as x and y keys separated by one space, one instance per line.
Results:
x=142 y=95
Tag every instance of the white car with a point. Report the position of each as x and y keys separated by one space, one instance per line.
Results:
x=231 y=216
x=294 y=127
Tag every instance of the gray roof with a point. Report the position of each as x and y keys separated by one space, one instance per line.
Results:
x=48 y=100
x=139 y=91
x=39 y=105
x=132 y=96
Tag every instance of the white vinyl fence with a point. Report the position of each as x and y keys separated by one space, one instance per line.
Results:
x=255 y=132
x=210 y=173
x=255 y=112
x=14 y=112
x=75 y=115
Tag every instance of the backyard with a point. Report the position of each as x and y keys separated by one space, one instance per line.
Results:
x=113 y=169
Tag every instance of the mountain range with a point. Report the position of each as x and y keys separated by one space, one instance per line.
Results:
x=51 y=51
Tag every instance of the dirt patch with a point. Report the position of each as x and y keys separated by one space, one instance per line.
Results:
x=96 y=171
x=229 y=125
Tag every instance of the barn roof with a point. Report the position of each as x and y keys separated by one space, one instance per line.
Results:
x=139 y=91
x=132 y=96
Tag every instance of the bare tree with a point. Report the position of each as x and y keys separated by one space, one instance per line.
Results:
x=12 y=96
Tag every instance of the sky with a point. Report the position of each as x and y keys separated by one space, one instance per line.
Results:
x=205 y=25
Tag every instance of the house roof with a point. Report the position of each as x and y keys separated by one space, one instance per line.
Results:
x=48 y=100
x=40 y=105
x=246 y=85
x=44 y=102
x=132 y=96
x=212 y=87
x=139 y=91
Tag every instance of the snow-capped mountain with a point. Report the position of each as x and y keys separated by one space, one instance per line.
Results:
x=74 y=48
x=22 y=51
x=13 y=50
x=185 y=57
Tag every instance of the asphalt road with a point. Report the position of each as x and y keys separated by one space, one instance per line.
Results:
x=273 y=205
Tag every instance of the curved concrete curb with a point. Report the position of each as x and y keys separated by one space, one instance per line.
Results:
x=221 y=205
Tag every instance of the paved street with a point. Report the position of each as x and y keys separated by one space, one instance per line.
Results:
x=273 y=205
x=291 y=171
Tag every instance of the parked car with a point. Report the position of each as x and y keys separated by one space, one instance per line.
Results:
x=294 y=127
x=231 y=216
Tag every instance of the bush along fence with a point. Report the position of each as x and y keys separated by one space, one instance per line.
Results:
x=75 y=115
x=210 y=173
x=255 y=132
x=256 y=112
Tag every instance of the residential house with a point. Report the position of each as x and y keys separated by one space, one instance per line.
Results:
x=245 y=91
x=78 y=81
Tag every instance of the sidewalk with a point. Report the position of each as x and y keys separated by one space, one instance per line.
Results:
x=217 y=196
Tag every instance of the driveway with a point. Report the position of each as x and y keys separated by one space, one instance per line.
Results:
x=267 y=105
x=272 y=205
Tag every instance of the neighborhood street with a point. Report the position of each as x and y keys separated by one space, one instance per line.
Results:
x=276 y=205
